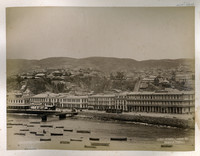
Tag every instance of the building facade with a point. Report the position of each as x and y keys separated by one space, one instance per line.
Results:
x=121 y=102
x=171 y=103
x=46 y=99
x=101 y=102
x=16 y=99
x=149 y=102
x=78 y=102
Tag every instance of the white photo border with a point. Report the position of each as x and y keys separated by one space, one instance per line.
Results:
x=94 y=3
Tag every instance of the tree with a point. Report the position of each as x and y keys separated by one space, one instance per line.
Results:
x=173 y=75
x=120 y=76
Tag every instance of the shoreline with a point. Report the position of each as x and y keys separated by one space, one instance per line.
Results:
x=138 y=118
x=163 y=120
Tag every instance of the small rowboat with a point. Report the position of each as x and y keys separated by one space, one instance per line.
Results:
x=30 y=126
x=166 y=145
x=42 y=139
x=68 y=130
x=64 y=142
x=75 y=140
x=87 y=146
x=30 y=148
x=9 y=126
x=46 y=125
x=118 y=139
x=14 y=124
x=59 y=126
x=99 y=144
x=19 y=134
x=82 y=131
x=24 y=129
x=39 y=134
x=34 y=122
x=56 y=134
x=94 y=139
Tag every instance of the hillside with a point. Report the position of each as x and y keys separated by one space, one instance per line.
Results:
x=103 y=64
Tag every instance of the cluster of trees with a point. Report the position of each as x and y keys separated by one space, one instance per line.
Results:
x=100 y=83
x=37 y=86
x=13 y=83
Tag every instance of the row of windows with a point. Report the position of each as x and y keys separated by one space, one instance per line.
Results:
x=120 y=102
x=188 y=97
x=100 y=99
x=39 y=99
x=155 y=96
x=70 y=100
x=160 y=103
x=74 y=105
x=56 y=100
x=160 y=109
x=160 y=96
x=102 y=102
x=16 y=101
x=18 y=107
x=120 y=107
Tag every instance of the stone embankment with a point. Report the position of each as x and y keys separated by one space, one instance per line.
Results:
x=163 y=121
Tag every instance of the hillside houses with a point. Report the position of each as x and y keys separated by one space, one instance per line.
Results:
x=183 y=77
x=88 y=79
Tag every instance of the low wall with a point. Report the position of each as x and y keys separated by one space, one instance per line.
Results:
x=173 y=122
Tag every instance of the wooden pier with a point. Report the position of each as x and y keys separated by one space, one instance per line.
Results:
x=62 y=115
x=44 y=113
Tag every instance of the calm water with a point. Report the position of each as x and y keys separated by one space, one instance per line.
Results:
x=139 y=136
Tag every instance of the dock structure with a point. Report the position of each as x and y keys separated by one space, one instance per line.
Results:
x=61 y=115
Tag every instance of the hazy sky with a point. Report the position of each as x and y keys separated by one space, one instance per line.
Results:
x=138 y=33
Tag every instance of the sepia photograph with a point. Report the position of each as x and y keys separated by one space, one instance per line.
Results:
x=100 y=78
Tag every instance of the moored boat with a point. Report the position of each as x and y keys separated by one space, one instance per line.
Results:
x=94 y=139
x=14 y=124
x=30 y=126
x=118 y=139
x=20 y=134
x=56 y=134
x=64 y=142
x=39 y=134
x=59 y=126
x=34 y=122
x=24 y=129
x=88 y=146
x=99 y=144
x=68 y=130
x=83 y=131
x=43 y=139
x=166 y=145
x=46 y=126
x=75 y=140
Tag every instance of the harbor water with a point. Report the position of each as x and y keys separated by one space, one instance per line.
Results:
x=27 y=132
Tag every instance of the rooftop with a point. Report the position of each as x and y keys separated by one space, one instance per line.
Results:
x=162 y=93
x=73 y=97
x=45 y=95
x=103 y=95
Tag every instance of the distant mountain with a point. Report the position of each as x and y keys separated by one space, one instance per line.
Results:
x=104 y=64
